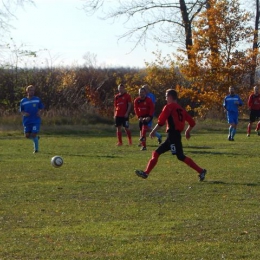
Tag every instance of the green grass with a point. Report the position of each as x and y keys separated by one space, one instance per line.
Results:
x=94 y=207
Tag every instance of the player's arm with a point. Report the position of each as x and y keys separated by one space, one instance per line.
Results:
x=136 y=108
x=22 y=111
x=39 y=112
x=129 y=106
x=191 y=124
x=115 y=105
x=250 y=101
x=225 y=105
x=152 y=133
x=161 y=120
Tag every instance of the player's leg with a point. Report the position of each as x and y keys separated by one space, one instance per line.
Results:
x=178 y=150
x=27 y=131
x=249 y=126
x=258 y=123
x=127 y=130
x=232 y=120
x=229 y=119
x=251 y=121
x=164 y=147
x=235 y=123
x=35 y=138
x=143 y=138
x=118 y=125
x=258 y=128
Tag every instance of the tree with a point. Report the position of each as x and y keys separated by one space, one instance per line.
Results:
x=255 y=45
x=218 y=61
x=164 y=21
x=7 y=11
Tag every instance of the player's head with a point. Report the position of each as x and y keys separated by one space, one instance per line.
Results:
x=121 y=88
x=256 y=89
x=146 y=87
x=231 y=90
x=171 y=95
x=30 y=90
x=142 y=93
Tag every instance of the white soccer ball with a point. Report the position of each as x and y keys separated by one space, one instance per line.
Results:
x=56 y=161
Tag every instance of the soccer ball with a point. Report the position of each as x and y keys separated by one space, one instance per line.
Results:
x=56 y=161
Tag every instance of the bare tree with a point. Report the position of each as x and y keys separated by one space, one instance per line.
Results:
x=160 y=20
x=255 y=44
x=7 y=11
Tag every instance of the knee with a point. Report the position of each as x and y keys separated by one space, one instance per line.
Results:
x=181 y=157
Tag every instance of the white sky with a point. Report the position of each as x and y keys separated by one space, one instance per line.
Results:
x=64 y=29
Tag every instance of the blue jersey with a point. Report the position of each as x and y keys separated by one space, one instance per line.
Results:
x=232 y=102
x=152 y=97
x=31 y=106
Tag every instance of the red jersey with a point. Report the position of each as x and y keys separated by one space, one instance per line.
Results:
x=121 y=104
x=175 y=116
x=143 y=107
x=254 y=102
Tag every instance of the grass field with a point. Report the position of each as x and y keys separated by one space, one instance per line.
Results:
x=94 y=207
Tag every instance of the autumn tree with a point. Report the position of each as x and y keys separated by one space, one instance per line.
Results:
x=219 y=60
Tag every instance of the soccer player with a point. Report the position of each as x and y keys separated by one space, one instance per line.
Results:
x=175 y=117
x=144 y=110
x=254 y=106
x=122 y=108
x=231 y=104
x=30 y=108
x=152 y=97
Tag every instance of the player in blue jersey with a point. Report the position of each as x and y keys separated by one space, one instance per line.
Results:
x=30 y=108
x=152 y=97
x=231 y=104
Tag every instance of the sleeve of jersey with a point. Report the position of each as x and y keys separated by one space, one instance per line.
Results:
x=163 y=116
x=190 y=120
x=151 y=109
x=249 y=102
x=136 y=108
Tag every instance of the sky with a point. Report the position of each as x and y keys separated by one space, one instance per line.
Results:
x=62 y=33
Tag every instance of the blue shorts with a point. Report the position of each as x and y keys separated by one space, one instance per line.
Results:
x=232 y=117
x=32 y=128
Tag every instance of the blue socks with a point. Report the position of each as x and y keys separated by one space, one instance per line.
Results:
x=158 y=135
x=35 y=142
x=232 y=131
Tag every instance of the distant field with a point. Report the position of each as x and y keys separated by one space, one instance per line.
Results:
x=94 y=207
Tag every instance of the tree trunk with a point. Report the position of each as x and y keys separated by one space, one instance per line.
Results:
x=187 y=26
x=255 y=47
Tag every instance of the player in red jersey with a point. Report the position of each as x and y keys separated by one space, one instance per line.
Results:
x=174 y=116
x=122 y=108
x=144 y=110
x=254 y=106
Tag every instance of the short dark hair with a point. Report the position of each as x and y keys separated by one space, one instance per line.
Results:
x=173 y=93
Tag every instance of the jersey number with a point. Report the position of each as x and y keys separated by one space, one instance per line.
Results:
x=173 y=149
x=180 y=115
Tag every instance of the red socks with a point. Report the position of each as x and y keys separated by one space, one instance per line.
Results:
x=192 y=164
x=153 y=161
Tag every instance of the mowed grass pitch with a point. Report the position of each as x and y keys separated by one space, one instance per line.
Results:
x=94 y=207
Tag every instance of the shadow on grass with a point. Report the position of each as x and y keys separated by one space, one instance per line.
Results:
x=233 y=183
